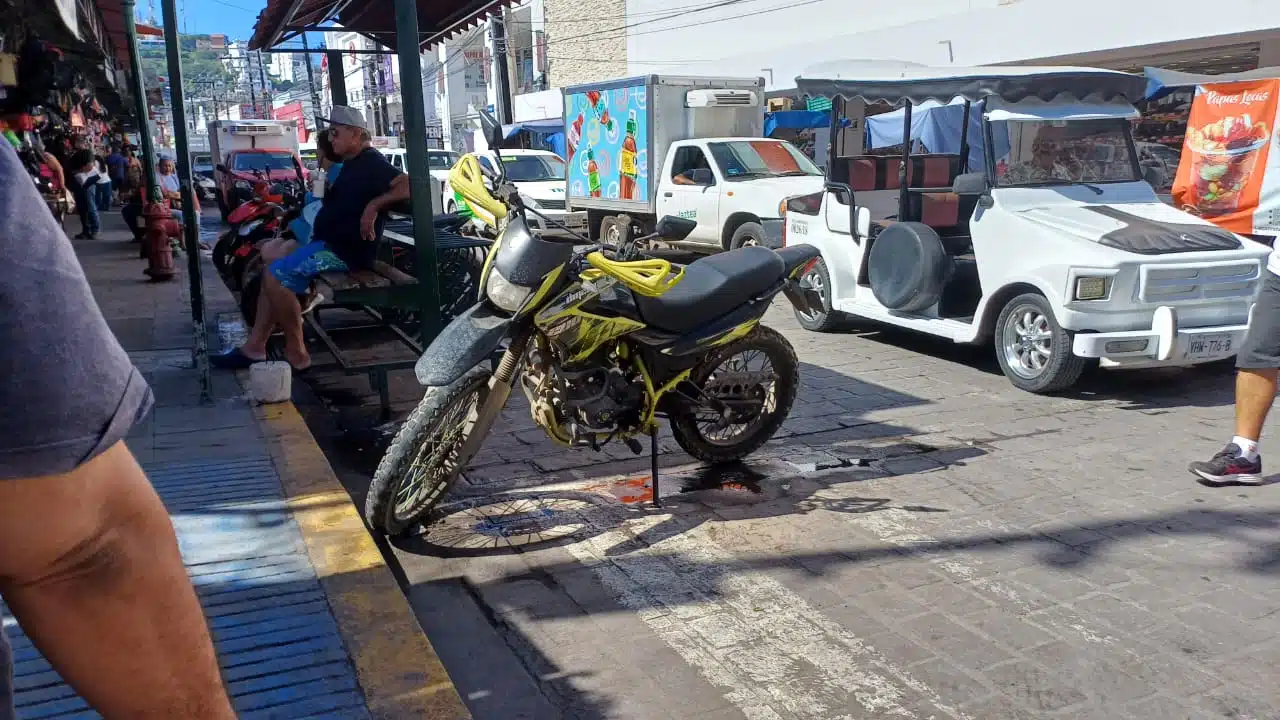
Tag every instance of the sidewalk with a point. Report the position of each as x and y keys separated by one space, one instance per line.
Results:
x=307 y=618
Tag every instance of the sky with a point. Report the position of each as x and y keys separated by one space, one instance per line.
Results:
x=234 y=18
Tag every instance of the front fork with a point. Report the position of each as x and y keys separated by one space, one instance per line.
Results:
x=495 y=400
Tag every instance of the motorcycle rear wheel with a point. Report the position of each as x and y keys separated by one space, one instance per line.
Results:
x=726 y=374
x=422 y=464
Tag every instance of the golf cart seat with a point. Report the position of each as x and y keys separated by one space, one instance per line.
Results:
x=711 y=287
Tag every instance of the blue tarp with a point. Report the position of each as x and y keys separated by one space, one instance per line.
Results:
x=537 y=126
x=937 y=126
x=795 y=120
x=1161 y=82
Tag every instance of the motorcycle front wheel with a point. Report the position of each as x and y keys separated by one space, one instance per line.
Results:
x=422 y=462
x=747 y=389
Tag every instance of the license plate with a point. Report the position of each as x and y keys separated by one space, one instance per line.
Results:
x=1202 y=347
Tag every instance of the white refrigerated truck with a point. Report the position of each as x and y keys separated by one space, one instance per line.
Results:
x=644 y=147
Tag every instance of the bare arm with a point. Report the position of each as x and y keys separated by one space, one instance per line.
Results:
x=91 y=570
x=56 y=167
x=398 y=192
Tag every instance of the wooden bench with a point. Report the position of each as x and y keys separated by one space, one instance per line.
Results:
x=382 y=275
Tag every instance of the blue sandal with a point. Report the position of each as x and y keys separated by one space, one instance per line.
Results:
x=232 y=359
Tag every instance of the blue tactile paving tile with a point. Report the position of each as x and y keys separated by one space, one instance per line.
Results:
x=277 y=641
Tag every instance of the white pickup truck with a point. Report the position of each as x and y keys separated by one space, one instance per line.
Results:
x=645 y=147
x=1033 y=228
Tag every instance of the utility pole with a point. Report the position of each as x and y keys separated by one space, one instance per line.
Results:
x=152 y=190
x=266 y=98
x=503 y=106
x=311 y=82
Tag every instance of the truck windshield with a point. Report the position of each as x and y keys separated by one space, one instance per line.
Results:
x=742 y=159
x=266 y=161
x=1063 y=152
x=441 y=160
x=533 y=168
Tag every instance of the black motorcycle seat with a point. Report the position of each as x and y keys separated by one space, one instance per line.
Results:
x=711 y=287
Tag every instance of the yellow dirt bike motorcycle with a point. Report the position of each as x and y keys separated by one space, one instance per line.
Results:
x=603 y=341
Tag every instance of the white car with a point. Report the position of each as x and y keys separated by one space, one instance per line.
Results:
x=439 y=163
x=1035 y=231
x=539 y=176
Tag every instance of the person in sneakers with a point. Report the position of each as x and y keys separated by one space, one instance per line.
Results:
x=84 y=171
x=1257 y=365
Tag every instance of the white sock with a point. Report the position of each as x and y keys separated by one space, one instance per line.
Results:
x=1248 y=448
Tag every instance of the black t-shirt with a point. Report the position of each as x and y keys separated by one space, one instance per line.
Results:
x=362 y=179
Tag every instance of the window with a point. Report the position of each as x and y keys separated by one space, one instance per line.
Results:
x=688 y=160
x=441 y=160
x=533 y=168
x=1063 y=152
x=743 y=159
x=265 y=161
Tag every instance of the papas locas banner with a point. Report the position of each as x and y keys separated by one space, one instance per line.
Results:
x=1230 y=167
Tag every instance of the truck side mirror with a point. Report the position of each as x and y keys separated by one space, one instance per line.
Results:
x=862 y=222
x=974 y=183
x=702 y=176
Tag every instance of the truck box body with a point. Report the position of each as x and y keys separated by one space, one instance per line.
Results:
x=617 y=133
x=226 y=136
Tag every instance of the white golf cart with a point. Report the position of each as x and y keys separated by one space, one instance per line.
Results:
x=1027 y=222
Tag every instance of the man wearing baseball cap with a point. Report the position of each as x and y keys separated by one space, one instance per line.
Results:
x=343 y=238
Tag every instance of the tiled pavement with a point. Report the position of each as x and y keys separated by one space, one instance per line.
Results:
x=282 y=653
x=924 y=542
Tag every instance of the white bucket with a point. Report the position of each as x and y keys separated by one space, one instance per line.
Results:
x=270 y=382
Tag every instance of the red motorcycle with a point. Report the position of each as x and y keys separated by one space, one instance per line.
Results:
x=252 y=223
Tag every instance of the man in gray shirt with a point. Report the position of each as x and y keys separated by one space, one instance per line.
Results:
x=89 y=562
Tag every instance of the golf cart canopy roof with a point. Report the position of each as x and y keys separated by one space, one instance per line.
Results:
x=896 y=81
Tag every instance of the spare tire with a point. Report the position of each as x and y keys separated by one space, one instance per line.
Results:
x=908 y=267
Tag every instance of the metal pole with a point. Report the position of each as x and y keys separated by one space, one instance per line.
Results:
x=338 y=78
x=190 y=220
x=311 y=82
x=504 y=75
x=415 y=136
x=140 y=106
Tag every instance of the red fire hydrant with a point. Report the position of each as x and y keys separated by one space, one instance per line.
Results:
x=155 y=243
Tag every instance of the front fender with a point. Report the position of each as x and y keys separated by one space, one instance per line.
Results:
x=463 y=344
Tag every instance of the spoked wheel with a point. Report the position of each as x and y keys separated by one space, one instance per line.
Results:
x=744 y=392
x=424 y=459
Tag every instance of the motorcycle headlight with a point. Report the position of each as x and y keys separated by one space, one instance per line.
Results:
x=503 y=294
x=242 y=185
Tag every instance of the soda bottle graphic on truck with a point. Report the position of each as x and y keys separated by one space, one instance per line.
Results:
x=574 y=135
x=627 y=161
x=593 y=173
x=602 y=113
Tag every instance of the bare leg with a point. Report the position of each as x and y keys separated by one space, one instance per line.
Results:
x=1255 y=392
x=289 y=316
x=255 y=346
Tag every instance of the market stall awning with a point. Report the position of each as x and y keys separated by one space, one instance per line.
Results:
x=438 y=20
x=1161 y=82
x=540 y=126
x=795 y=120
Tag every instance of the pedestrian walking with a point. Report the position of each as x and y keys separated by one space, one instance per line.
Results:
x=89 y=562
x=1257 y=367
x=104 y=184
x=85 y=177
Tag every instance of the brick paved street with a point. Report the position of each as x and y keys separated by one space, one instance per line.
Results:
x=926 y=541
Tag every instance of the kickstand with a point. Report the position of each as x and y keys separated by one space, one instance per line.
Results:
x=653 y=466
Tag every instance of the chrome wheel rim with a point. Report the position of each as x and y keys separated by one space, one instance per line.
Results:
x=749 y=242
x=436 y=460
x=1028 y=342
x=812 y=282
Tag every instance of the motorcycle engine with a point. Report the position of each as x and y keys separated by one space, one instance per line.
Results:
x=602 y=399
x=579 y=405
